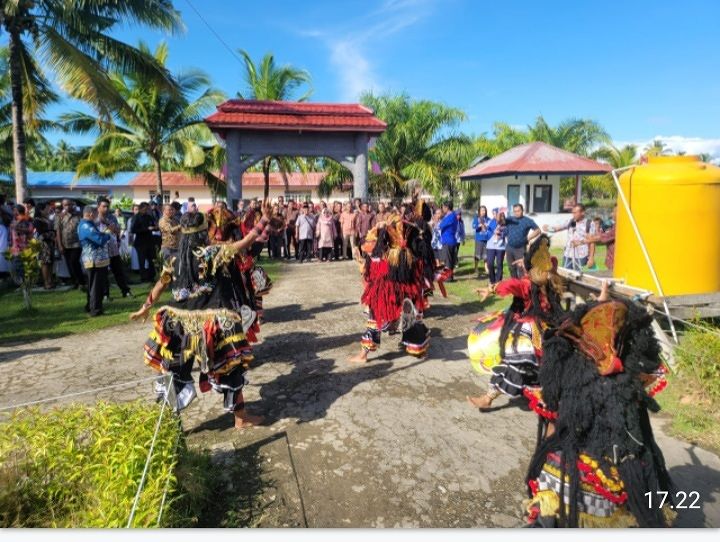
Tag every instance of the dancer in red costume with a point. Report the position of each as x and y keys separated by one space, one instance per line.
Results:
x=535 y=308
x=394 y=256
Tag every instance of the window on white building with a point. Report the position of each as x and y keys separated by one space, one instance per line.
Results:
x=542 y=198
x=298 y=196
x=513 y=196
x=166 y=195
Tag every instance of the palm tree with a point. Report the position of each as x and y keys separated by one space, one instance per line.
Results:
x=37 y=95
x=706 y=157
x=336 y=177
x=74 y=40
x=603 y=185
x=267 y=81
x=163 y=124
x=656 y=148
x=616 y=157
x=419 y=144
x=579 y=136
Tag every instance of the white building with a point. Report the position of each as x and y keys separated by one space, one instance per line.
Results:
x=530 y=175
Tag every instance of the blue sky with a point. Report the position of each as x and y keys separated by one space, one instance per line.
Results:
x=642 y=69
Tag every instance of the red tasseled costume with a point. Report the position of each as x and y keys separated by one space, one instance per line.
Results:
x=384 y=296
x=521 y=288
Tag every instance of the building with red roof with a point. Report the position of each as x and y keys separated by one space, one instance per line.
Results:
x=177 y=185
x=530 y=174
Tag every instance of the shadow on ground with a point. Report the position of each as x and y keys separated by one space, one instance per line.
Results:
x=693 y=477
x=237 y=486
x=15 y=354
x=295 y=312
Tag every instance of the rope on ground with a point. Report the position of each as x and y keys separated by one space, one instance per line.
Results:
x=76 y=394
x=141 y=485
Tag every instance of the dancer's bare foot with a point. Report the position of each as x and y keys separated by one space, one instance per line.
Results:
x=243 y=419
x=361 y=357
x=483 y=403
x=604 y=291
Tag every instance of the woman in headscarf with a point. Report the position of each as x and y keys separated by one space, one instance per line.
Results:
x=325 y=234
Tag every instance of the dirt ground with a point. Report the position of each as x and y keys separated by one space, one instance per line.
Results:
x=392 y=443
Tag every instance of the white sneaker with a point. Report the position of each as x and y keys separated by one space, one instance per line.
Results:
x=248 y=317
x=186 y=396
x=408 y=315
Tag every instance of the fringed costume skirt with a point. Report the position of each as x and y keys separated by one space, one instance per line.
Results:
x=519 y=365
x=213 y=338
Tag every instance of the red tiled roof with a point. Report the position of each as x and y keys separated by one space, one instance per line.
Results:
x=295 y=180
x=308 y=116
x=534 y=159
x=169 y=178
x=172 y=179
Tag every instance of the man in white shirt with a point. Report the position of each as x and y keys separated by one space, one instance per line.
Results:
x=576 y=252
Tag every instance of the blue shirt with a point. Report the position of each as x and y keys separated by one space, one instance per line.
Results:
x=518 y=229
x=479 y=234
x=94 y=245
x=436 y=243
x=448 y=229
x=496 y=242
x=460 y=233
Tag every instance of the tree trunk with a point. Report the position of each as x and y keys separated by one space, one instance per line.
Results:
x=266 y=173
x=19 y=139
x=158 y=171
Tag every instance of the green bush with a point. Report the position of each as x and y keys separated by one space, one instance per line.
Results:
x=124 y=202
x=80 y=466
x=698 y=356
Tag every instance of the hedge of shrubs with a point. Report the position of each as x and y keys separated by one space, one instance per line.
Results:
x=80 y=466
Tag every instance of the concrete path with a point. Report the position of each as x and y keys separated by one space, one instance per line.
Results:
x=390 y=443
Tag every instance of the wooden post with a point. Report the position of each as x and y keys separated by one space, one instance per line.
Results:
x=578 y=189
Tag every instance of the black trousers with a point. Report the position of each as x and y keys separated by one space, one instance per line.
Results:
x=306 y=247
x=146 y=253
x=325 y=253
x=337 y=247
x=118 y=272
x=275 y=243
x=74 y=267
x=291 y=242
x=97 y=284
x=495 y=265
x=512 y=255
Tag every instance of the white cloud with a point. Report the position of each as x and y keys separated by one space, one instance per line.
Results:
x=687 y=145
x=349 y=54
x=356 y=75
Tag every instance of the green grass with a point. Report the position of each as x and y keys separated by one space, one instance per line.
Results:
x=58 y=314
x=463 y=290
x=692 y=397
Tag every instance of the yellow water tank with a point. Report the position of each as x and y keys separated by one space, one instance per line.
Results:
x=676 y=203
